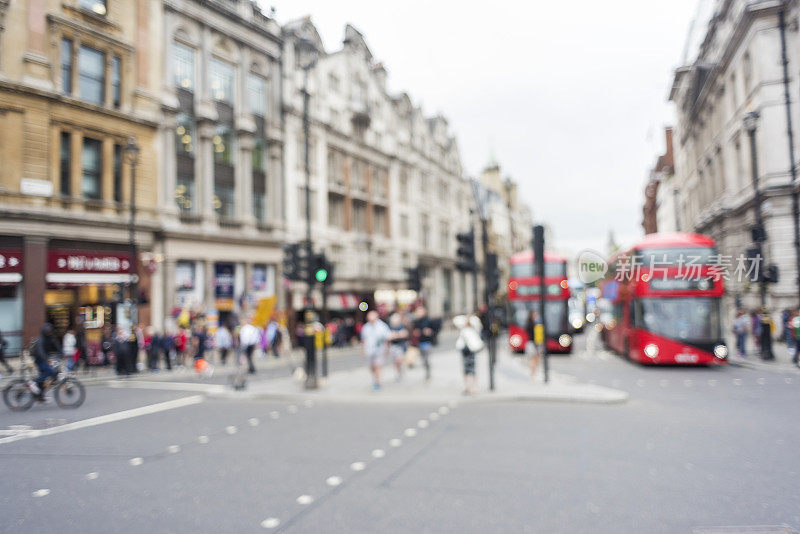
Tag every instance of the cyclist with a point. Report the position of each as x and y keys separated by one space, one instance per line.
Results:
x=45 y=344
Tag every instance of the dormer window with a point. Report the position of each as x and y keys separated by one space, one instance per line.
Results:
x=98 y=7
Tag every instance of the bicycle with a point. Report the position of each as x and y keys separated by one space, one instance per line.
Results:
x=20 y=394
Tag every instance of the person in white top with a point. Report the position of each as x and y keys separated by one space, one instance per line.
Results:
x=69 y=347
x=374 y=339
x=224 y=342
x=249 y=337
x=469 y=342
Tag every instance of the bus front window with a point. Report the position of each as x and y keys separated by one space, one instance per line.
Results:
x=685 y=319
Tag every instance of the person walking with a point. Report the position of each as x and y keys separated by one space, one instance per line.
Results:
x=423 y=331
x=398 y=341
x=181 y=345
x=374 y=339
x=740 y=324
x=469 y=342
x=530 y=330
x=249 y=336
x=81 y=344
x=69 y=348
x=794 y=330
x=223 y=339
x=3 y=347
x=107 y=345
x=272 y=338
x=766 y=335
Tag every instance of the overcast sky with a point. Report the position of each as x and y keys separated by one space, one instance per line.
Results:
x=569 y=96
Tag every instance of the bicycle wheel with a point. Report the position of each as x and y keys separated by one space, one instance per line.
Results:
x=69 y=393
x=18 y=396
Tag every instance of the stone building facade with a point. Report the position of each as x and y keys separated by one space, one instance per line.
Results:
x=387 y=186
x=738 y=69
x=77 y=79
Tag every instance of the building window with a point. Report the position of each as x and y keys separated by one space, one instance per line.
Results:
x=257 y=94
x=301 y=153
x=221 y=81
x=336 y=211
x=260 y=197
x=425 y=230
x=259 y=154
x=66 y=162
x=380 y=183
x=403 y=186
x=444 y=238
x=184 y=134
x=360 y=216
x=66 y=66
x=116 y=81
x=92 y=164
x=117 y=173
x=379 y=221
x=91 y=74
x=98 y=7
x=222 y=144
x=183 y=63
x=224 y=203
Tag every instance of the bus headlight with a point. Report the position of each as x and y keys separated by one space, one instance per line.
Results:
x=515 y=341
x=651 y=350
x=721 y=352
x=577 y=323
x=564 y=340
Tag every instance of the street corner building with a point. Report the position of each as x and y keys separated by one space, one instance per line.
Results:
x=735 y=159
x=78 y=83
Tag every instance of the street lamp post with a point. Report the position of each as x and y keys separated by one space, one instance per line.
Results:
x=307 y=57
x=133 y=154
x=750 y=125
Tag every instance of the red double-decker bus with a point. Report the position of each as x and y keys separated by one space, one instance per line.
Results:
x=664 y=298
x=523 y=296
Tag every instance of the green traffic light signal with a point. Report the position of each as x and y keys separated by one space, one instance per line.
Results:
x=321 y=275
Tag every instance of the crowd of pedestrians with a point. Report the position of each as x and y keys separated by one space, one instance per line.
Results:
x=759 y=325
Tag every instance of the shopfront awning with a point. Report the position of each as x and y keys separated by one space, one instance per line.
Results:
x=88 y=278
x=10 y=278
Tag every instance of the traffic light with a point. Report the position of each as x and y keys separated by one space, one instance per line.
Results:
x=771 y=274
x=291 y=261
x=758 y=234
x=466 y=251
x=414 y=278
x=492 y=274
x=321 y=269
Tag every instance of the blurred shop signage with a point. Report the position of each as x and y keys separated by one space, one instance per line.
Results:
x=87 y=262
x=39 y=188
x=10 y=261
x=223 y=285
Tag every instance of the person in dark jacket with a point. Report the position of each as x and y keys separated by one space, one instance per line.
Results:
x=122 y=350
x=82 y=345
x=45 y=344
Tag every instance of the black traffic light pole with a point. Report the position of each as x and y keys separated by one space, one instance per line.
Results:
x=308 y=313
x=491 y=335
x=538 y=257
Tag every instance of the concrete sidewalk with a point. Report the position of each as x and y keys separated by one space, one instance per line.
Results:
x=512 y=383
x=782 y=362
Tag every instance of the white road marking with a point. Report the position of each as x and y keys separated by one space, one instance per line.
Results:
x=378 y=453
x=308 y=403
x=271 y=522
x=275 y=415
x=663 y=383
x=333 y=481
x=444 y=410
x=761 y=381
x=737 y=381
x=687 y=383
x=423 y=423
x=253 y=421
x=174 y=449
x=305 y=499
x=202 y=439
x=787 y=380
x=231 y=429
x=358 y=466
x=291 y=408
x=433 y=416
x=92 y=476
x=395 y=442
x=41 y=493
x=640 y=383
x=712 y=382
x=410 y=432
x=171 y=386
x=109 y=418
x=136 y=461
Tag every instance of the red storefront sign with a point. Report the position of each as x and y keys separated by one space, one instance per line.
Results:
x=60 y=261
x=10 y=267
x=10 y=261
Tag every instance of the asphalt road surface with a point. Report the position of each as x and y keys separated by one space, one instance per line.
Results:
x=692 y=448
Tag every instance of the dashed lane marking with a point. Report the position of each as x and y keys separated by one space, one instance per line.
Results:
x=41 y=492
x=308 y=403
x=433 y=416
x=231 y=429
x=292 y=408
x=663 y=383
x=202 y=439
x=423 y=423
x=305 y=499
x=136 y=461
x=737 y=381
x=687 y=383
x=333 y=480
x=410 y=432
x=395 y=442
x=358 y=466
x=444 y=410
x=253 y=421
x=174 y=449
x=640 y=383
x=275 y=414
x=271 y=522
x=378 y=453
x=712 y=382
x=761 y=381
x=91 y=476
